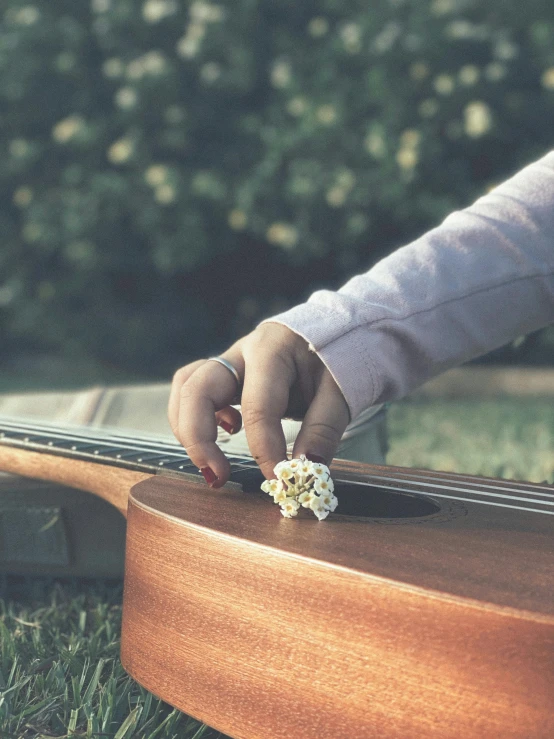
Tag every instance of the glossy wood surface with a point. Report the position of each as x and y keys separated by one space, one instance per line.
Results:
x=435 y=625
x=440 y=626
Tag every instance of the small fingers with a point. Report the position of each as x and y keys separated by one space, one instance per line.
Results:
x=179 y=379
x=265 y=399
x=229 y=419
x=196 y=407
x=324 y=423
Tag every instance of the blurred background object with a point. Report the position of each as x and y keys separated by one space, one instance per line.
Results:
x=173 y=172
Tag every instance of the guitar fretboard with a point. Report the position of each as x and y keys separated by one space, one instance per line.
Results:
x=109 y=447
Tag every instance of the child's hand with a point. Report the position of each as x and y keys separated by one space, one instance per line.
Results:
x=281 y=378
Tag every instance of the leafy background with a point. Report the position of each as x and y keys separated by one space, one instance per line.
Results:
x=173 y=172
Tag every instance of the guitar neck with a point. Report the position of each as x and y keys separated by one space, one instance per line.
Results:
x=104 y=462
x=137 y=452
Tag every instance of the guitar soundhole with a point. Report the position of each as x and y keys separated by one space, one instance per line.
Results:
x=371 y=501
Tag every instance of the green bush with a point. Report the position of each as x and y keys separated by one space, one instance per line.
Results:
x=173 y=171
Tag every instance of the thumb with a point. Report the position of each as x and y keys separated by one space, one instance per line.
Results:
x=324 y=423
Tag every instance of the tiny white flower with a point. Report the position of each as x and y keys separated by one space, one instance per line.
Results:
x=320 y=471
x=283 y=470
x=272 y=487
x=290 y=508
x=304 y=469
x=294 y=464
x=318 y=508
x=329 y=501
x=306 y=498
x=324 y=486
x=281 y=497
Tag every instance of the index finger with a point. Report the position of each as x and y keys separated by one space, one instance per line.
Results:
x=265 y=397
x=208 y=389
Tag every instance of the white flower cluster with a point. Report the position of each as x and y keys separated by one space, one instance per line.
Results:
x=303 y=483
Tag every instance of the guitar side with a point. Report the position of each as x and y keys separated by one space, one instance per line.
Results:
x=265 y=627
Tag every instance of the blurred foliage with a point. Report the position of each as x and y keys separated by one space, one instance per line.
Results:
x=162 y=163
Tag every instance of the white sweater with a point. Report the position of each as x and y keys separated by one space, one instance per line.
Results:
x=479 y=280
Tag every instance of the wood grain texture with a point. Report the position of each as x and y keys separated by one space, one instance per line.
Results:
x=265 y=628
x=110 y=483
x=436 y=625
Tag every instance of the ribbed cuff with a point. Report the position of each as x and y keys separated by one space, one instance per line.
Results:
x=342 y=353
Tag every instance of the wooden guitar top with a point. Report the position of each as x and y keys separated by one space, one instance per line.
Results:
x=437 y=625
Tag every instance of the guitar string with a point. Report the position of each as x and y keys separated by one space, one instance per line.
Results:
x=464 y=500
x=374 y=478
x=148 y=443
x=123 y=441
x=181 y=456
x=465 y=490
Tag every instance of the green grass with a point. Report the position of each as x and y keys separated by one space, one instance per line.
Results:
x=511 y=437
x=60 y=674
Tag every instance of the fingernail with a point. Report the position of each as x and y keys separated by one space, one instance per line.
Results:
x=315 y=458
x=227 y=426
x=209 y=475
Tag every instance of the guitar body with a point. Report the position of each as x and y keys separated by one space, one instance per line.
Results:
x=423 y=607
x=439 y=623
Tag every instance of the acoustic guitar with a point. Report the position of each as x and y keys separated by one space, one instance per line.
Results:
x=423 y=607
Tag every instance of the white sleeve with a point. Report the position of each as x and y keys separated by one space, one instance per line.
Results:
x=477 y=281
